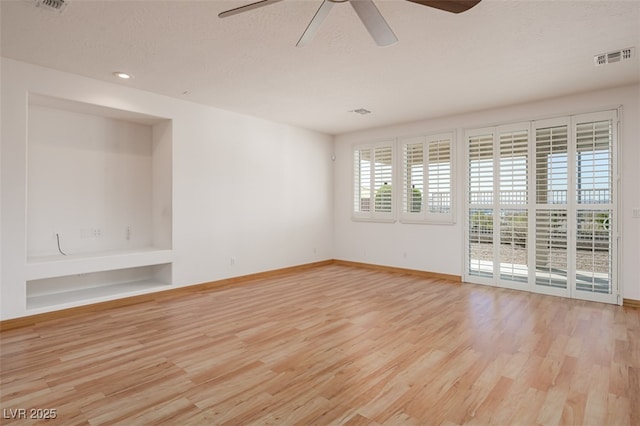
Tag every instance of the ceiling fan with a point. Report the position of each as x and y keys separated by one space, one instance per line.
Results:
x=366 y=10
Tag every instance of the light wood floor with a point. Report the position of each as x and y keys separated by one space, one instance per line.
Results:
x=333 y=345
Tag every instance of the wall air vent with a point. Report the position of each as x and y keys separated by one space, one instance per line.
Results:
x=53 y=5
x=617 y=56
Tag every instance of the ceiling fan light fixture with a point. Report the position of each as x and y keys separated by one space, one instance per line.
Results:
x=366 y=10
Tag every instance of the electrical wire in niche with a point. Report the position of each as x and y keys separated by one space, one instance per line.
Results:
x=59 y=249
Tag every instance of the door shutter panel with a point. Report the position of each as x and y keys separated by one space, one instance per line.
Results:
x=595 y=213
x=480 y=249
x=513 y=198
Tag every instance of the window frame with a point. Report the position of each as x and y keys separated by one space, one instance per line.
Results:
x=424 y=216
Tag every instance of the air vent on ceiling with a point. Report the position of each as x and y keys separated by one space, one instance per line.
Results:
x=53 y=5
x=617 y=56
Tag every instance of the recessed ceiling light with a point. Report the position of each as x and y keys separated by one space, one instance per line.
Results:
x=122 y=75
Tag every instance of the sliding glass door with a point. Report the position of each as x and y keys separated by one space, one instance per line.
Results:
x=541 y=211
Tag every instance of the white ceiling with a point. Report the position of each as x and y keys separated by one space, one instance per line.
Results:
x=498 y=53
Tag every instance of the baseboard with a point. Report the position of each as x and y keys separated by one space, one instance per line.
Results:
x=423 y=274
x=223 y=283
x=631 y=303
x=31 y=320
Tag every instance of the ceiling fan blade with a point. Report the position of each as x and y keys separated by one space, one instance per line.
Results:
x=313 y=26
x=375 y=23
x=453 y=6
x=247 y=8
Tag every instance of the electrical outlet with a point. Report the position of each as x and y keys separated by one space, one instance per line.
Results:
x=128 y=233
x=90 y=233
x=636 y=213
x=232 y=261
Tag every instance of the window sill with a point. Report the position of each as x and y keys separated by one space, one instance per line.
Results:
x=373 y=219
x=428 y=221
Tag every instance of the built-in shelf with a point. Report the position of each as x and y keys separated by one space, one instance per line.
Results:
x=100 y=191
x=46 y=294
x=58 y=266
x=82 y=296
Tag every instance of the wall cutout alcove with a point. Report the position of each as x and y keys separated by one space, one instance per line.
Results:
x=98 y=203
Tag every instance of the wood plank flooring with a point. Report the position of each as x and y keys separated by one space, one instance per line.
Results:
x=331 y=345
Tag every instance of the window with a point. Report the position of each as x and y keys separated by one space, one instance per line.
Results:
x=373 y=181
x=427 y=179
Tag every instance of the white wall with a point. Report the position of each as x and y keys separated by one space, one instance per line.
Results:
x=243 y=187
x=439 y=248
x=268 y=194
x=88 y=179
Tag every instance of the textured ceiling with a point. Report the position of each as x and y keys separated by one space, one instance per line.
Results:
x=498 y=53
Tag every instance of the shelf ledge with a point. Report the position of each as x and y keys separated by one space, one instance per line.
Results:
x=59 y=266
x=73 y=298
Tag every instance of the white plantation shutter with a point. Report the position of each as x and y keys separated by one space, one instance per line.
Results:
x=514 y=224
x=513 y=198
x=594 y=245
x=541 y=210
x=595 y=215
x=552 y=172
x=481 y=169
x=373 y=181
x=439 y=179
x=382 y=179
x=362 y=180
x=551 y=217
x=514 y=163
x=594 y=162
x=551 y=255
x=413 y=176
x=480 y=211
x=427 y=179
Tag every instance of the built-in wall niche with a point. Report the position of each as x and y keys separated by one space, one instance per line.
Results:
x=99 y=203
x=98 y=179
x=74 y=290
